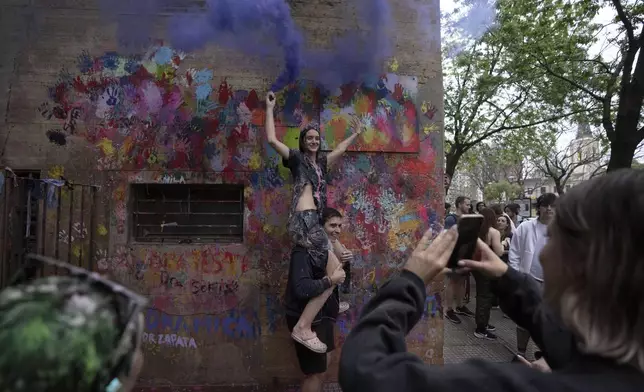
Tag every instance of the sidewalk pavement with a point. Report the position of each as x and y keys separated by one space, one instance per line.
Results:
x=460 y=344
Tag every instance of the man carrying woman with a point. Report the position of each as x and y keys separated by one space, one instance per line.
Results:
x=309 y=168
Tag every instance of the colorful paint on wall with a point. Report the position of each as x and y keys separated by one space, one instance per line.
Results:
x=149 y=113
x=387 y=109
x=152 y=119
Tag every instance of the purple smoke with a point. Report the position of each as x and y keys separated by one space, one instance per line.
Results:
x=477 y=18
x=262 y=28
x=469 y=21
x=243 y=26
x=357 y=55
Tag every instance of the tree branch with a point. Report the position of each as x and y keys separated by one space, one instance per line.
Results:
x=630 y=31
x=570 y=81
x=509 y=128
x=607 y=121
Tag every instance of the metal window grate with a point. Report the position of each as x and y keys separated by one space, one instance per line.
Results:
x=188 y=213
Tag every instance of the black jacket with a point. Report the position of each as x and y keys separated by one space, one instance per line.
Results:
x=305 y=281
x=375 y=358
x=520 y=298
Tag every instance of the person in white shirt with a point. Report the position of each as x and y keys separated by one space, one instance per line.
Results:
x=527 y=243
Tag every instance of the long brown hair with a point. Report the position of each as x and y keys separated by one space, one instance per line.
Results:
x=489 y=221
x=598 y=290
x=508 y=228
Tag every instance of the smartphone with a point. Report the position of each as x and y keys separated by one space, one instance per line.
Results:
x=469 y=227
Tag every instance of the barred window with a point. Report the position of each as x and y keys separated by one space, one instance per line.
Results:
x=186 y=213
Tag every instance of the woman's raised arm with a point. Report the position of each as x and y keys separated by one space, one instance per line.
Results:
x=280 y=147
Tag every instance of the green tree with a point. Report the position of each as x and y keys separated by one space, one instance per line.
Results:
x=485 y=97
x=502 y=191
x=549 y=43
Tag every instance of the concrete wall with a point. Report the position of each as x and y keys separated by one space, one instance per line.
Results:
x=60 y=76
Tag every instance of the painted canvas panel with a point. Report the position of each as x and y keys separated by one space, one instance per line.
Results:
x=387 y=108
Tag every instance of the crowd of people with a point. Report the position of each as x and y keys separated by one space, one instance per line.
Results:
x=571 y=279
x=516 y=241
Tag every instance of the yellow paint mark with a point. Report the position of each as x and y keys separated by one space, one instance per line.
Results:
x=292 y=137
x=427 y=129
x=102 y=230
x=371 y=277
x=267 y=229
x=424 y=107
x=393 y=65
x=76 y=250
x=106 y=146
x=56 y=171
x=362 y=104
x=369 y=135
x=255 y=162
x=150 y=66
x=128 y=143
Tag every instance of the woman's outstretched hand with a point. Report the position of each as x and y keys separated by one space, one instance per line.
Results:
x=270 y=100
x=430 y=257
x=356 y=125
x=490 y=264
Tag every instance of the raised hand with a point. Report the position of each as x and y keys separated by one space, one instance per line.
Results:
x=430 y=257
x=270 y=100
x=356 y=125
x=490 y=264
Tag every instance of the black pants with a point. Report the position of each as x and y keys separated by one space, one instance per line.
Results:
x=484 y=299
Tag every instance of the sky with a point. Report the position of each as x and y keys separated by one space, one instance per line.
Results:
x=605 y=15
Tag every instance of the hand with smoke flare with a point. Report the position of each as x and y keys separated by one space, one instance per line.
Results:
x=270 y=101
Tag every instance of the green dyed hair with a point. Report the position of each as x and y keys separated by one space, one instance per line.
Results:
x=59 y=334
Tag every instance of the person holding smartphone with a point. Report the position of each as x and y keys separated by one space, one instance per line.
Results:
x=593 y=281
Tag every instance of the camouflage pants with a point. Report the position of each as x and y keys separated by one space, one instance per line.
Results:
x=306 y=230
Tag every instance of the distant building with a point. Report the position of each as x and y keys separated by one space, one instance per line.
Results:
x=462 y=186
x=581 y=148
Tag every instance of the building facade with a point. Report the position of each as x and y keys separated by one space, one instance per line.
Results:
x=583 y=156
x=152 y=167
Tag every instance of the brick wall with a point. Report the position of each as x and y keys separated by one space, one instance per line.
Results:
x=238 y=337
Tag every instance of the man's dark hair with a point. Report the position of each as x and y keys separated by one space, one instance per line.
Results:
x=459 y=200
x=329 y=213
x=514 y=207
x=545 y=200
x=497 y=208
x=447 y=206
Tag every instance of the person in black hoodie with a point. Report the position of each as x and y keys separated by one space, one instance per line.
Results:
x=591 y=304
